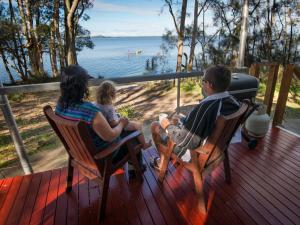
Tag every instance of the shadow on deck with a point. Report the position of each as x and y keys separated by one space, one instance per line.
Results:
x=265 y=189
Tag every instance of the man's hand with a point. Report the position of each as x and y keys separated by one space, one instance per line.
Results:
x=124 y=121
x=175 y=119
x=164 y=123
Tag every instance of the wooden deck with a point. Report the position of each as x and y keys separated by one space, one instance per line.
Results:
x=265 y=189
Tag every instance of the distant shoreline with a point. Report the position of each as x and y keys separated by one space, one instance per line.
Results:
x=101 y=36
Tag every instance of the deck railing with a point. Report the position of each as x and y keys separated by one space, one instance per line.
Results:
x=54 y=86
x=288 y=72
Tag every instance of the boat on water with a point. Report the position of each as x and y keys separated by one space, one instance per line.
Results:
x=137 y=52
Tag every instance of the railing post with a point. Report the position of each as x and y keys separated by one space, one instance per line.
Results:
x=283 y=94
x=254 y=70
x=178 y=96
x=272 y=78
x=14 y=133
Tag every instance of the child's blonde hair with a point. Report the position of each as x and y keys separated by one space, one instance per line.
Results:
x=106 y=93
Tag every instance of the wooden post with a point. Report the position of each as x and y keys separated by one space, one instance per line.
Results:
x=269 y=95
x=178 y=96
x=254 y=70
x=297 y=72
x=14 y=133
x=283 y=94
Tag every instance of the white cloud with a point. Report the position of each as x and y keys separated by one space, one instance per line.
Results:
x=141 y=11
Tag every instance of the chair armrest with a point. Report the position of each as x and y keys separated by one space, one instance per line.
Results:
x=113 y=147
x=202 y=150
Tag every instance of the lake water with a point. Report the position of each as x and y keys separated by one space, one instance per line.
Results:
x=116 y=56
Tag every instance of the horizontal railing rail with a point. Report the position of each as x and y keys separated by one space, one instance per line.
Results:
x=54 y=86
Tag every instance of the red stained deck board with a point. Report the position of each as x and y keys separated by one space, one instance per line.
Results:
x=51 y=202
x=222 y=214
x=166 y=195
x=118 y=202
x=273 y=168
x=130 y=207
x=4 y=190
x=282 y=152
x=274 y=186
x=40 y=202
x=30 y=199
x=143 y=210
x=72 y=213
x=62 y=200
x=166 y=208
x=272 y=154
x=84 y=204
x=238 y=205
x=152 y=204
x=266 y=194
x=265 y=189
x=15 y=214
x=10 y=199
x=183 y=197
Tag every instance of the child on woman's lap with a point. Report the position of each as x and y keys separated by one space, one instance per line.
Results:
x=106 y=94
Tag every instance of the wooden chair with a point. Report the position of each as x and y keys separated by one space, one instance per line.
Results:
x=91 y=162
x=209 y=155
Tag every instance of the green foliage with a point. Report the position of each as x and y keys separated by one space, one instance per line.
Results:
x=127 y=111
x=262 y=88
x=16 y=97
x=295 y=91
x=189 y=85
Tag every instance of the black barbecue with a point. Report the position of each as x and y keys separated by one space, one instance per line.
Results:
x=242 y=87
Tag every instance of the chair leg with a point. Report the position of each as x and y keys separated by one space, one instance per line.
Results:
x=134 y=160
x=165 y=158
x=103 y=198
x=227 y=167
x=198 y=179
x=69 y=177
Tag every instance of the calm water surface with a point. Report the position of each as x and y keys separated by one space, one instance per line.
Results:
x=116 y=56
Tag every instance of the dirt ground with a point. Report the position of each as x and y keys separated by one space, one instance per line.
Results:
x=147 y=101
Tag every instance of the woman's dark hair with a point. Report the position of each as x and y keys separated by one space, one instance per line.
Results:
x=219 y=76
x=73 y=86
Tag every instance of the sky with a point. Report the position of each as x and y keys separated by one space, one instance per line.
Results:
x=132 y=17
x=128 y=18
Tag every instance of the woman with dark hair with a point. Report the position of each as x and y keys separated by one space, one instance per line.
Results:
x=71 y=105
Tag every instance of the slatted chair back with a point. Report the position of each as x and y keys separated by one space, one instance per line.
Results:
x=75 y=138
x=209 y=155
x=223 y=131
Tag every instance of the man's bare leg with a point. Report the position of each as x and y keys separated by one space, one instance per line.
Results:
x=164 y=147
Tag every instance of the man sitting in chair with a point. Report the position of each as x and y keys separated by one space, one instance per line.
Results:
x=191 y=130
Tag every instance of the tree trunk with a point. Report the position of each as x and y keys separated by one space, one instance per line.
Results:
x=21 y=65
x=58 y=36
x=36 y=34
x=243 y=35
x=33 y=52
x=291 y=36
x=52 y=51
x=194 y=35
x=70 y=7
x=181 y=35
x=5 y=63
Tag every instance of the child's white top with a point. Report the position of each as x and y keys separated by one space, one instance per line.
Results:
x=108 y=111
